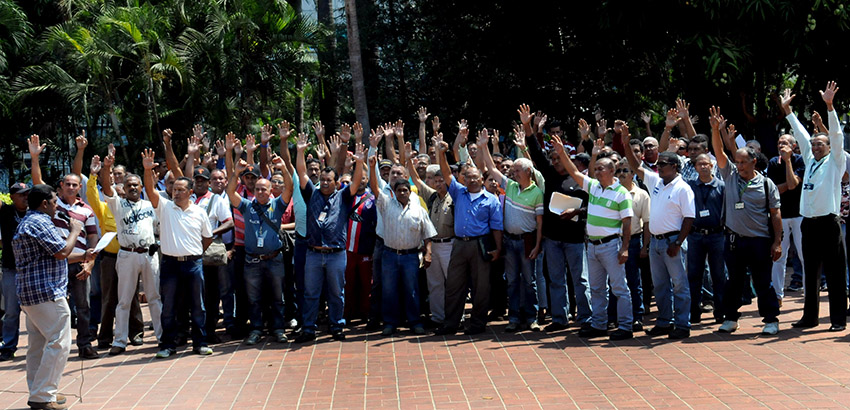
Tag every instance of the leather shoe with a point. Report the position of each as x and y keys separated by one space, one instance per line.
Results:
x=419 y=330
x=338 y=335
x=116 y=350
x=473 y=330
x=373 y=325
x=88 y=352
x=388 y=331
x=50 y=405
x=837 y=328
x=591 y=331
x=804 y=324
x=445 y=331
x=659 y=330
x=137 y=340
x=305 y=337
x=621 y=334
x=679 y=333
x=555 y=327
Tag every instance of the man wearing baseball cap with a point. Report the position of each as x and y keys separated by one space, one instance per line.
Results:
x=10 y=217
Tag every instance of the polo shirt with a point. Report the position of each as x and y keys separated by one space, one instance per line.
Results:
x=606 y=207
x=671 y=203
x=181 y=231
x=256 y=227
x=327 y=216
x=752 y=221
x=640 y=208
x=522 y=206
x=406 y=225
x=441 y=211
x=136 y=222
x=822 y=183
x=708 y=203
x=790 y=198
x=80 y=211
x=475 y=217
x=102 y=213
x=40 y=277
x=216 y=207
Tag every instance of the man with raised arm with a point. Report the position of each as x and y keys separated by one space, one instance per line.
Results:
x=328 y=210
x=820 y=204
x=787 y=171
x=671 y=214
x=185 y=233
x=609 y=218
x=753 y=232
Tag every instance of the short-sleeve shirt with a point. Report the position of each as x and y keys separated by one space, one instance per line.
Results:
x=405 y=226
x=475 y=216
x=216 y=207
x=606 y=207
x=522 y=206
x=41 y=277
x=182 y=231
x=299 y=209
x=135 y=221
x=361 y=236
x=752 y=220
x=327 y=216
x=708 y=203
x=671 y=203
x=441 y=211
x=256 y=227
x=790 y=198
x=80 y=211
x=640 y=208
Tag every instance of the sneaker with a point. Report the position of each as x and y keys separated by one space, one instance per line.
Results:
x=637 y=326
x=88 y=352
x=837 y=328
x=292 y=324
x=794 y=287
x=280 y=336
x=679 y=333
x=534 y=326
x=388 y=331
x=7 y=355
x=61 y=399
x=659 y=330
x=555 y=327
x=771 y=328
x=203 y=351
x=419 y=330
x=165 y=353
x=116 y=350
x=621 y=334
x=137 y=340
x=728 y=326
x=305 y=337
x=591 y=331
x=338 y=335
x=253 y=338
x=512 y=327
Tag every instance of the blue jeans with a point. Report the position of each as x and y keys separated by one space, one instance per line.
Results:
x=321 y=268
x=12 y=318
x=399 y=280
x=257 y=276
x=604 y=267
x=701 y=247
x=182 y=280
x=634 y=281
x=522 y=287
x=559 y=256
x=300 y=260
x=670 y=281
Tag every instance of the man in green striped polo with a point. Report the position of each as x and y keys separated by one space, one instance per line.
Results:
x=609 y=214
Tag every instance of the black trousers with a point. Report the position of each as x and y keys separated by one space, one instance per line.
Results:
x=822 y=247
x=744 y=253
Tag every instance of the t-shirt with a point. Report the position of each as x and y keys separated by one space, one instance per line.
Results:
x=80 y=211
x=135 y=221
x=751 y=220
x=790 y=198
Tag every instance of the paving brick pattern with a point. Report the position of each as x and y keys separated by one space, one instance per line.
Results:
x=796 y=369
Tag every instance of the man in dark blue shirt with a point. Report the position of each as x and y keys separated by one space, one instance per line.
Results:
x=706 y=238
x=328 y=210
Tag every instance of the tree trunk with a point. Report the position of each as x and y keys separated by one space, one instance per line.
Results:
x=327 y=68
x=358 y=83
x=299 y=80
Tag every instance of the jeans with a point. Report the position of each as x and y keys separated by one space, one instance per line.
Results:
x=322 y=268
x=603 y=267
x=742 y=253
x=559 y=256
x=258 y=276
x=542 y=288
x=49 y=338
x=182 y=280
x=400 y=282
x=300 y=260
x=633 y=279
x=522 y=284
x=791 y=229
x=79 y=290
x=670 y=280
x=701 y=247
x=12 y=318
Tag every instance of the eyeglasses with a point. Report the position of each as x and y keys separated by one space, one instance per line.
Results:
x=663 y=163
x=622 y=171
x=278 y=181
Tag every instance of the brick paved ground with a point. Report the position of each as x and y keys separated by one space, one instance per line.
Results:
x=796 y=369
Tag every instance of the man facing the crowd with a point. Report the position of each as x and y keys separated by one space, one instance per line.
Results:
x=10 y=217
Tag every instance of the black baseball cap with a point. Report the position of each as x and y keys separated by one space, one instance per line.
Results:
x=251 y=169
x=19 y=188
x=201 y=172
x=385 y=163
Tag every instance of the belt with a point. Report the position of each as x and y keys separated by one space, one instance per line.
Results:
x=467 y=238
x=325 y=250
x=184 y=258
x=512 y=236
x=707 y=231
x=827 y=216
x=402 y=251
x=666 y=235
x=107 y=253
x=136 y=250
x=441 y=240
x=261 y=257
x=606 y=239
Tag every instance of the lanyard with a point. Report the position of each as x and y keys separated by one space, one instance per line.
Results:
x=743 y=188
x=815 y=168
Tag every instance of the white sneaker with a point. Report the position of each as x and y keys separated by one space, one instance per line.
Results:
x=771 y=328
x=728 y=326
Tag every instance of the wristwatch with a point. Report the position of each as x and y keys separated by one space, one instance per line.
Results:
x=678 y=242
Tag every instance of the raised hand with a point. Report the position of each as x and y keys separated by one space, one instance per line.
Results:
x=250 y=143
x=110 y=149
x=524 y=113
x=519 y=138
x=334 y=144
x=265 y=134
x=672 y=118
x=542 y=123
x=682 y=107
x=785 y=151
x=535 y=121
x=345 y=133
x=207 y=161
x=494 y=139
x=96 y=165
x=785 y=101
x=818 y=121
x=714 y=118
x=220 y=148
x=597 y=114
x=166 y=136
x=241 y=166
x=408 y=150
x=463 y=131
x=423 y=114
x=193 y=146
x=398 y=129
x=108 y=161
x=388 y=130
x=618 y=127
x=644 y=116
x=829 y=94
x=601 y=128
x=435 y=124
x=301 y=143
x=360 y=153
x=557 y=145
x=372 y=161
x=34 y=147
x=440 y=144
x=319 y=129
x=82 y=142
x=598 y=145
x=277 y=162
x=229 y=142
x=694 y=119
x=358 y=131
x=375 y=137
x=673 y=145
x=730 y=130
x=583 y=128
x=483 y=138
x=147 y=159
x=283 y=130
x=320 y=152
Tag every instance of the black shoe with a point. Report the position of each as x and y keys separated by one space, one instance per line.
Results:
x=373 y=325
x=182 y=340
x=707 y=306
x=659 y=330
x=338 y=335
x=837 y=328
x=680 y=333
x=591 y=331
x=696 y=317
x=555 y=327
x=612 y=325
x=621 y=334
x=473 y=330
x=794 y=288
x=253 y=338
x=512 y=327
x=445 y=331
x=718 y=320
x=116 y=350
x=495 y=316
x=6 y=355
x=637 y=326
x=305 y=337
x=541 y=316
x=585 y=325
x=804 y=324
x=88 y=352
x=137 y=340
x=388 y=331
x=213 y=338
x=103 y=345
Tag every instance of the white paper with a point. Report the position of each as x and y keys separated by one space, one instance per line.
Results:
x=739 y=141
x=560 y=203
x=104 y=240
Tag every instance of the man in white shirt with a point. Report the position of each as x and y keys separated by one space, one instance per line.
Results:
x=185 y=233
x=820 y=203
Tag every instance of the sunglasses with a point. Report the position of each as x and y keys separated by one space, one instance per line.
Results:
x=663 y=163
x=622 y=171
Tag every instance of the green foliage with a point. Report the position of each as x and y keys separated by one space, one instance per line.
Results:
x=5 y=198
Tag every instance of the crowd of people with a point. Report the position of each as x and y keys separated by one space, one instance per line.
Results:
x=574 y=234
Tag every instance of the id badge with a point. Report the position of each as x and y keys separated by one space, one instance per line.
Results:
x=260 y=241
x=322 y=217
x=704 y=213
x=739 y=205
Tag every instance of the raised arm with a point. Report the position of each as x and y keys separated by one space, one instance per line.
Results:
x=460 y=140
x=670 y=121
x=389 y=143
x=300 y=162
x=414 y=176
x=250 y=148
x=486 y=158
x=319 y=129
x=525 y=118
x=494 y=140
x=232 y=180
x=193 y=151
x=647 y=119
x=150 y=183
x=799 y=131
x=82 y=142
x=265 y=150
x=35 y=151
x=423 y=118
x=565 y=159
x=594 y=155
x=634 y=161
x=339 y=152
x=373 y=183
x=714 y=118
x=105 y=173
x=171 y=159
x=283 y=132
x=836 y=136
x=359 y=158
x=281 y=165
x=441 y=147
x=398 y=130
x=358 y=132
x=682 y=107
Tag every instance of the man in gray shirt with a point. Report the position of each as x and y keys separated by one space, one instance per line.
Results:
x=751 y=206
